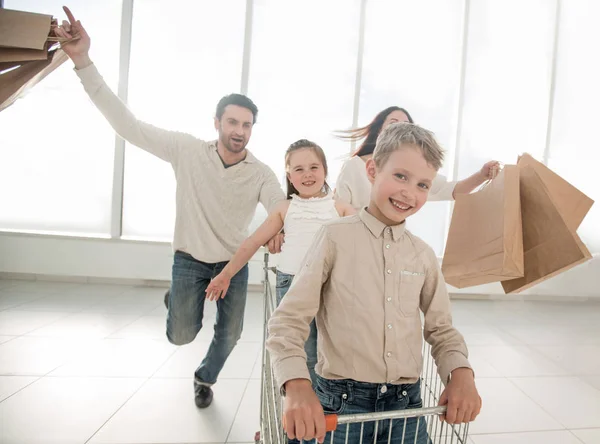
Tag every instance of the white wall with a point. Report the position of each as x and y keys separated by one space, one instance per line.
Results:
x=150 y=262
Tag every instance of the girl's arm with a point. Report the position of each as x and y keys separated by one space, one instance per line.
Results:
x=269 y=228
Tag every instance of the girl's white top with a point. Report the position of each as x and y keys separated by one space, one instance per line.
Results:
x=302 y=222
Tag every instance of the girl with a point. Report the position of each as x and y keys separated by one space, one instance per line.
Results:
x=354 y=187
x=309 y=205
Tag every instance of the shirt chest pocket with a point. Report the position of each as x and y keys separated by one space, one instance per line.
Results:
x=410 y=284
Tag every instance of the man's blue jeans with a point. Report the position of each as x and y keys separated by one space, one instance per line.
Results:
x=186 y=311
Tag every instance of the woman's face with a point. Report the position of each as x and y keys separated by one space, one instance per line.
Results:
x=394 y=117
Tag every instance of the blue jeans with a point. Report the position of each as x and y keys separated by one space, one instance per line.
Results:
x=281 y=288
x=345 y=397
x=186 y=311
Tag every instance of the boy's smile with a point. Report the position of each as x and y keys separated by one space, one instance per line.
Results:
x=400 y=185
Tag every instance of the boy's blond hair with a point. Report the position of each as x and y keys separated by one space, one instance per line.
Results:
x=402 y=134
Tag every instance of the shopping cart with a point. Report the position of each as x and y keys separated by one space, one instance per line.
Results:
x=271 y=425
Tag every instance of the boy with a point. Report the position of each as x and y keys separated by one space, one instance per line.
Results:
x=364 y=281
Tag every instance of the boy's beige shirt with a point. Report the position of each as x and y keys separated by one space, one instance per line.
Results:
x=365 y=283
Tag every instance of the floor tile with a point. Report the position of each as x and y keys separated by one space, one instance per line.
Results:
x=593 y=380
x=588 y=436
x=4 y=339
x=118 y=358
x=556 y=437
x=62 y=410
x=500 y=414
x=13 y=299
x=247 y=419
x=569 y=400
x=84 y=325
x=511 y=360
x=175 y=419
x=15 y=323
x=144 y=327
x=10 y=385
x=38 y=356
x=577 y=359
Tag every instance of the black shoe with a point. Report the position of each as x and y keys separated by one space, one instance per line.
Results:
x=204 y=395
x=167 y=299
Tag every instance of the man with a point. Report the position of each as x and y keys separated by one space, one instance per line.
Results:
x=219 y=184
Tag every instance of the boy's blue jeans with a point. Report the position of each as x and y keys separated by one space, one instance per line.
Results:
x=281 y=288
x=344 y=397
x=186 y=311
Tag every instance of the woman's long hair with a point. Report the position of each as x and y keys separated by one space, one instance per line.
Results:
x=370 y=132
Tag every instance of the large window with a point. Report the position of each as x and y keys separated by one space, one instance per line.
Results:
x=490 y=82
x=574 y=148
x=304 y=80
x=412 y=59
x=56 y=149
x=507 y=83
x=177 y=76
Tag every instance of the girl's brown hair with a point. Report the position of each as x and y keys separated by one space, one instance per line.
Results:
x=370 y=131
x=299 y=145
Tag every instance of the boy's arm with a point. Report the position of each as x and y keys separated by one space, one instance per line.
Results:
x=448 y=347
x=289 y=325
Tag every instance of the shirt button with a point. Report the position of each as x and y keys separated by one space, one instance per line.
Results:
x=389 y=354
x=389 y=272
x=389 y=299
x=404 y=393
x=384 y=389
x=387 y=246
x=389 y=326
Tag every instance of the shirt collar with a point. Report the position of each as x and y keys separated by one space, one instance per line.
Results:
x=249 y=156
x=376 y=227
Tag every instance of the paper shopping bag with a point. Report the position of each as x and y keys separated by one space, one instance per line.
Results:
x=485 y=241
x=571 y=203
x=552 y=209
x=27 y=30
x=16 y=82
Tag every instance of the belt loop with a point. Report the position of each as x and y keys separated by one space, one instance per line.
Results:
x=350 y=390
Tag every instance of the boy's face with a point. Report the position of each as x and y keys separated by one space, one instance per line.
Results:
x=400 y=186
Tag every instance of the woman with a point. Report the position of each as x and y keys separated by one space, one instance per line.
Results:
x=353 y=185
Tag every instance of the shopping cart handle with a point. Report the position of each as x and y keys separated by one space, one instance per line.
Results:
x=331 y=422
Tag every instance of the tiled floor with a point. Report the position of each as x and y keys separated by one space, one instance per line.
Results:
x=90 y=364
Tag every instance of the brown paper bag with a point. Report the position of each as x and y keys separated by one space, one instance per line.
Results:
x=20 y=29
x=22 y=55
x=14 y=83
x=552 y=210
x=485 y=241
x=571 y=203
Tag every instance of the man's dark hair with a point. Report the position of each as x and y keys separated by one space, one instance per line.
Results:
x=239 y=100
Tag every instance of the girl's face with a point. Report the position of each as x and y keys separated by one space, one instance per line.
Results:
x=306 y=172
x=394 y=117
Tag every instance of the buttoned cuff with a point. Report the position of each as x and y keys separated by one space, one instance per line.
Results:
x=451 y=362
x=288 y=369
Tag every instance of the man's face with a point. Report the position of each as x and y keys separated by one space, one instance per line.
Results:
x=235 y=128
